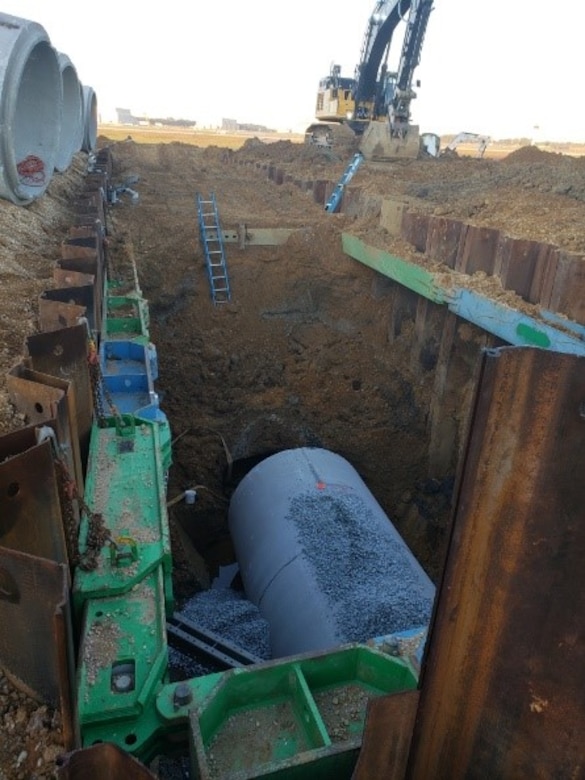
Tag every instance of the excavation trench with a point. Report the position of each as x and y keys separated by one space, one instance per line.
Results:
x=314 y=350
x=303 y=358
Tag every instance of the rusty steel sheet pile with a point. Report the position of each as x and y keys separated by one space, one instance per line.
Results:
x=502 y=685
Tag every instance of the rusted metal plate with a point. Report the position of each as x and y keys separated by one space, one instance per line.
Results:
x=90 y=266
x=564 y=285
x=444 y=238
x=428 y=327
x=504 y=675
x=88 y=248
x=30 y=507
x=103 y=162
x=104 y=761
x=86 y=231
x=87 y=218
x=516 y=266
x=68 y=302
x=96 y=182
x=415 y=229
x=402 y=310
x=91 y=203
x=31 y=396
x=545 y=270
x=65 y=278
x=87 y=265
x=42 y=397
x=54 y=315
x=477 y=250
x=37 y=651
x=387 y=736
x=63 y=353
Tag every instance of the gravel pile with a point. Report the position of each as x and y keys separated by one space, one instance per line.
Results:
x=31 y=738
x=369 y=579
x=227 y=613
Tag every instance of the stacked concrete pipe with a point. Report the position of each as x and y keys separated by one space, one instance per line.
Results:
x=89 y=142
x=46 y=116
x=31 y=98
x=71 y=126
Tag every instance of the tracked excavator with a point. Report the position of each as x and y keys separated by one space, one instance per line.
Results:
x=482 y=142
x=374 y=106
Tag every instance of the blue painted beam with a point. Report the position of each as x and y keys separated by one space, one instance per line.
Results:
x=514 y=326
x=335 y=199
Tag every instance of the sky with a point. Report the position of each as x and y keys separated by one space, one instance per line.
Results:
x=504 y=68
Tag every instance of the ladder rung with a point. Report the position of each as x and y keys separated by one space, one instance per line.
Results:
x=212 y=236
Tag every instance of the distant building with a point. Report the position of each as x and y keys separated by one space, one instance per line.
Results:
x=125 y=117
x=233 y=126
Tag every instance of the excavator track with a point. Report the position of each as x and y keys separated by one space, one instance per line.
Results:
x=332 y=135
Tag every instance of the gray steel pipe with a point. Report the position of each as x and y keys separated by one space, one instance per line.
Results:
x=319 y=557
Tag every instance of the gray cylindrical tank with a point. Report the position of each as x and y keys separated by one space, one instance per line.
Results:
x=319 y=557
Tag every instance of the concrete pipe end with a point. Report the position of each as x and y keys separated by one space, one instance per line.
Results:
x=31 y=98
x=71 y=127
x=89 y=120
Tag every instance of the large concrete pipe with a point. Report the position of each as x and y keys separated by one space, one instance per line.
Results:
x=30 y=109
x=319 y=557
x=71 y=135
x=89 y=141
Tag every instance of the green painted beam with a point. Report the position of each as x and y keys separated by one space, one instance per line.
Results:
x=410 y=275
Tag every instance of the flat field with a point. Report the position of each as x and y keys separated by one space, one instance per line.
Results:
x=204 y=138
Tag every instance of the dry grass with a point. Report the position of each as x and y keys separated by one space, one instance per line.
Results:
x=167 y=135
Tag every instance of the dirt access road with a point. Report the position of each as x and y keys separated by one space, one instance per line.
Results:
x=300 y=356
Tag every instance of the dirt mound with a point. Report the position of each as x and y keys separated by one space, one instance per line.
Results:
x=532 y=154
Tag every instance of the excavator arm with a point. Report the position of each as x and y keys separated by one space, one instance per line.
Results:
x=371 y=71
x=378 y=91
x=399 y=105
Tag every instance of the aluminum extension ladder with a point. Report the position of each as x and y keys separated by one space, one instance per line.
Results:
x=212 y=241
x=335 y=197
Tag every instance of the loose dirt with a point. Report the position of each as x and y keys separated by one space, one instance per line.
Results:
x=302 y=354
